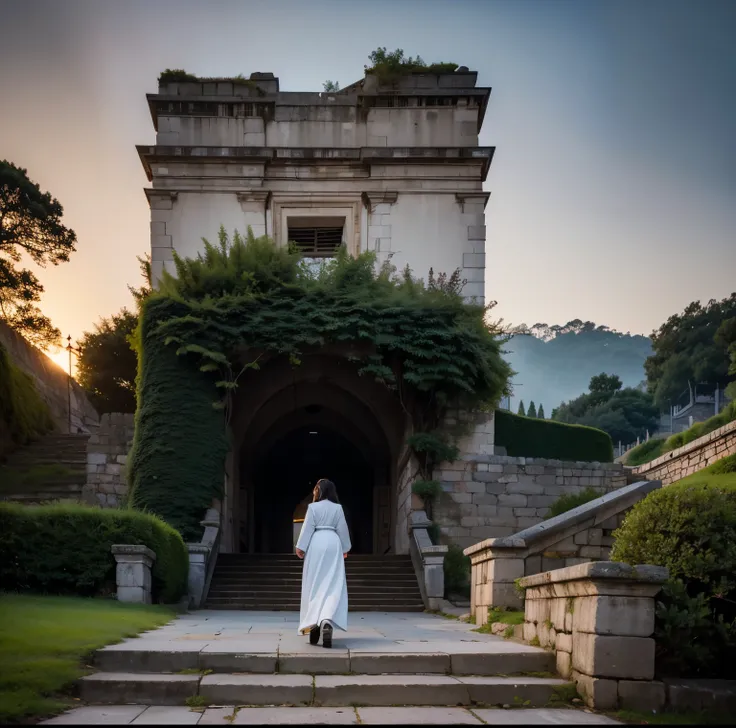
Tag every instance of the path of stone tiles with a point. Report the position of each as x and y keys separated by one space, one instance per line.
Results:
x=277 y=631
x=162 y=715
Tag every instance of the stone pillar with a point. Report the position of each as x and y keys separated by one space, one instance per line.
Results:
x=198 y=559
x=428 y=558
x=161 y=203
x=493 y=573
x=599 y=618
x=379 y=206
x=133 y=572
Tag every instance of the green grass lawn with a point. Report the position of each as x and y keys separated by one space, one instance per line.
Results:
x=46 y=642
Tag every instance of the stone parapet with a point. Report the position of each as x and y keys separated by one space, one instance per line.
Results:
x=599 y=619
x=690 y=458
x=580 y=535
x=428 y=561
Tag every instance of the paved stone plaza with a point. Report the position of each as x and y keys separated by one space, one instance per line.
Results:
x=400 y=648
x=168 y=715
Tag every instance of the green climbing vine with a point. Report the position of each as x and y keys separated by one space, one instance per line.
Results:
x=244 y=297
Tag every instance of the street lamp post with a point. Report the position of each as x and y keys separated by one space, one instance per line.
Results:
x=72 y=350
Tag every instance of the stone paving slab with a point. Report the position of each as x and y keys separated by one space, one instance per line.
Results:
x=417 y=716
x=543 y=716
x=167 y=715
x=230 y=715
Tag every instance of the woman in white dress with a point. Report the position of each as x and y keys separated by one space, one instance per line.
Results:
x=324 y=544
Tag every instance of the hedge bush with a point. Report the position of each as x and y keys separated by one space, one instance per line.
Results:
x=690 y=528
x=65 y=549
x=24 y=416
x=567 y=501
x=535 y=438
x=457 y=571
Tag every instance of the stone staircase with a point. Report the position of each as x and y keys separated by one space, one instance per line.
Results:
x=230 y=671
x=50 y=469
x=273 y=583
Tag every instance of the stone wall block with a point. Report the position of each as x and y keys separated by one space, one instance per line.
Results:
x=613 y=656
x=641 y=695
x=614 y=615
x=597 y=693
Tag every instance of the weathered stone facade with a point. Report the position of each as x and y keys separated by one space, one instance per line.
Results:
x=489 y=496
x=107 y=456
x=690 y=458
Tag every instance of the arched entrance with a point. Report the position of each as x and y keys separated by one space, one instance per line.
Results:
x=294 y=425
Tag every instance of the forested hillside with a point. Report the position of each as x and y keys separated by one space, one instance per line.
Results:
x=554 y=364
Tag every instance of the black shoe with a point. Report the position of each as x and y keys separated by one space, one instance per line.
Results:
x=314 y=635
x=327 y=636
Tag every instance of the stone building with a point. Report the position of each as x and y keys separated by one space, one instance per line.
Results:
x=393 y=169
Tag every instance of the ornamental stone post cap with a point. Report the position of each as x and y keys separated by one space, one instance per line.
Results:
x=132 y=550
x=198 y=548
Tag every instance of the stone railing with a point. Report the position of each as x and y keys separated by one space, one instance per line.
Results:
x=580 y=535
x=428 y=561
x=599 y=619
x=202 y=559
x=690 y=458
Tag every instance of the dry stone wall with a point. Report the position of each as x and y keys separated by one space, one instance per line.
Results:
x=490 y=496
x=107 y=457
x=690 y=458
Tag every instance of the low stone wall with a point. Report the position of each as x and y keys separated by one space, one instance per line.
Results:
x=107 y=457
x=689 y=458
x=52 y=383
x=491 y=496
x=599 y=619
x=578 y=536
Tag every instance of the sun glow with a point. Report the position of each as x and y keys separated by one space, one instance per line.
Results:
x=60 y=357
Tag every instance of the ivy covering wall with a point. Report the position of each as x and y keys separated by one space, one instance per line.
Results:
x=203 y=327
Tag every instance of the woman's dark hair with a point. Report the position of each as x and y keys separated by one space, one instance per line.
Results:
x=327 y=491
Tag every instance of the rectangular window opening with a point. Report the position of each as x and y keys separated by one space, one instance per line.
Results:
x=316 y=237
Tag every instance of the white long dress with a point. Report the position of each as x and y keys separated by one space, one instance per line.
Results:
x=324 y=538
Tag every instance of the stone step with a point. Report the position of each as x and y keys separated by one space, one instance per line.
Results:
x=113 y=688
x=256 y=605
x=128 y=658
x=35 y=498
x=355 y=587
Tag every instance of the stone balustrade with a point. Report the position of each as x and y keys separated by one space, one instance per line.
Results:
x=578 y=536
x=599 y=619
x=133 y=572
x=428 y=560
x=202 y=558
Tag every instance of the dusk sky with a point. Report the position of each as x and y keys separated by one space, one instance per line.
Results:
x=614 y=181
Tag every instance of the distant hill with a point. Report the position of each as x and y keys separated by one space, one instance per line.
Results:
x=554 y=364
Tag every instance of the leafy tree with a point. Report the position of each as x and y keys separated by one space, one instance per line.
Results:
x=522 y=409
x=624 y=414
x=687 y=350
x=331 y=87
x=726 y=337
x=30 y=223
x=532 y=411
x=540 y=412
x=108 y=362
x=605 y=383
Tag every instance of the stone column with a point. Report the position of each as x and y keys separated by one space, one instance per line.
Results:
x=133 y=572
x=493 y=570
x=599 y=618
x=161 y=203
x=379 y=206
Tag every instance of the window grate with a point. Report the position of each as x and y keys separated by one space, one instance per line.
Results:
x=316 y=242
